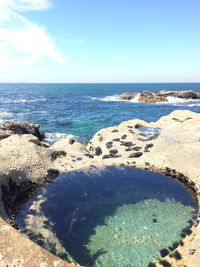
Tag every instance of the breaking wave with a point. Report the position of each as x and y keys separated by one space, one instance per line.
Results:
x=115 y=98
x=4 y=114
x=176 y=101
x=54 y=137
x=22 y=100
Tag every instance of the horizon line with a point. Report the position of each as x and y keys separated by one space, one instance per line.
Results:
x=100 y=82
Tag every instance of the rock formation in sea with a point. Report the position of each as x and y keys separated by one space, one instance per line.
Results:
x=171 y=146
x=127 y=96
x=161 y=96
x=146 y=96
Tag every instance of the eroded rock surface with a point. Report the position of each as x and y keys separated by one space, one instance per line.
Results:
x=26 y=161
x=9 y=128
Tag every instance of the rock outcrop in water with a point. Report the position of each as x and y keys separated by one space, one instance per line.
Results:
x=127 y=96
x=161 y=96
x=9 y=128
x=149 y=97
x=171 y=145
x=180 y=94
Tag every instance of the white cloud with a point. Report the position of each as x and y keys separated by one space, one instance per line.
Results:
x=22 y=41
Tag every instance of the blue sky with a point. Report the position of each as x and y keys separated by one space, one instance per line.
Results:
x=99 y=41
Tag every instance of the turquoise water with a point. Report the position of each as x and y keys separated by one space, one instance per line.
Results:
x=83 y=109
x=114 y=217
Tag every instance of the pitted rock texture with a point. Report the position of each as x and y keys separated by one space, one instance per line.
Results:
x=23 y=160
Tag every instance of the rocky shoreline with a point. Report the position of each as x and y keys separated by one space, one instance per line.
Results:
x=28 y=163
x=160 y=96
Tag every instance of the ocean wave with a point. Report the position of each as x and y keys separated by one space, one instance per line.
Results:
x=171 y=100
x=54 y=137
x=115 y=98
x=22 y=100
x=4 y=113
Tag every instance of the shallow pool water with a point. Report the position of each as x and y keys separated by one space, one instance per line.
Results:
x=114 y=217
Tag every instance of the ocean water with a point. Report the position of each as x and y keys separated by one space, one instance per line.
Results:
x=83 y=109
x=113 y=217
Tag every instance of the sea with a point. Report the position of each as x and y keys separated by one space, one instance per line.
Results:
x=83 y=109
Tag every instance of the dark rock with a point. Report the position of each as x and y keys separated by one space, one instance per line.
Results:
x=35 y=141
x=4 y=134
x=192 y=251
x=151 y=264
x=89 y=156
x=138 y=125
x=10 y=128
x=98 y=151
x=136 y=155
x=164 y=252
x=44 y=144
x=109 y=145
x=115 y=131
x=113 y=151
x=137 y=148
x=116 y=140
x=127 y=96
x=15 y=193
x=165 y=263
x=127 y=144
x=129 y=149
x=148 y=146
x=124 y=136
x=111 y=156
x=71 y=141
x=56 y=154
x=187 y=94
x=131 y=131
x=100 y=139
x=51 y=175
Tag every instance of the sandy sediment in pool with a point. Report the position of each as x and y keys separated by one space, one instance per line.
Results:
x=27 y=163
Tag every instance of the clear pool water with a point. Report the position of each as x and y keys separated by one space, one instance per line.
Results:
x=113 y=217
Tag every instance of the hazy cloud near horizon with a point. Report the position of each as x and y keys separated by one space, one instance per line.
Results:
x=22 y=41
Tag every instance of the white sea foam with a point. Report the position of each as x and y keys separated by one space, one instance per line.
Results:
x=171 y=100
x=115 y=98
x=22 y=100
x=54 y=137
x=4 y=113
x=174 y=100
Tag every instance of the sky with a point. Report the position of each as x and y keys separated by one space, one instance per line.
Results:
x=93 y=41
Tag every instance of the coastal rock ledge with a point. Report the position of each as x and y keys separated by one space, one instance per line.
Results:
x=170 y=145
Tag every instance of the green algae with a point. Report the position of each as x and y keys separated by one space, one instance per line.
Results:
x=130 y=236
